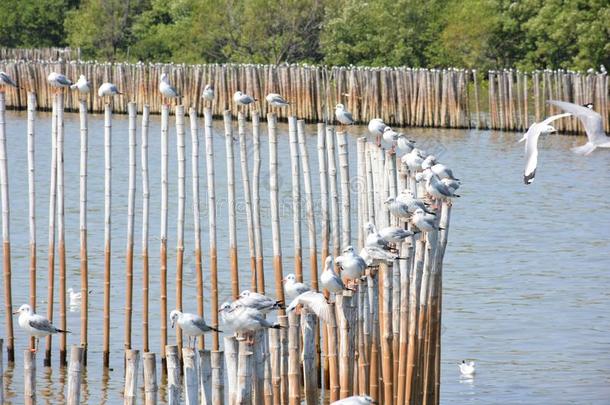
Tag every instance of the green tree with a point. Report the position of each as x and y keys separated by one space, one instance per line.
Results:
x=32 y=23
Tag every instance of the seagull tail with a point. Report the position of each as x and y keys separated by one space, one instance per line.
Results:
x=277 y=326
x=215 y=329
x=73 y=86
x=585 y=149
x=529 y=178
x=63 y=331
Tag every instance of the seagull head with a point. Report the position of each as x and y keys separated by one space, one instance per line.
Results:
x=349 y=249
x=290 y=278
x=339 y=107
x=208 y=87
x=588 y=105
x=24 y=309
x=547 y=129
x=367 y=399
x=328 y=263
x=370 y=227
x=244 y=293
x=389 y=200
x=226 y=306
x=164 y=77
x=174 y=316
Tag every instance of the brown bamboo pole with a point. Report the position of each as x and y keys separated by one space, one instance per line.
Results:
x=63 y=352
x=346 y=347
x=84 y=266
x=131 y=202
x=32 y=201
x=294 y=364
x=145 y=235
x=296 y=197
x=256 y=211
x=309 y=325
x=283 y=321
x=52 y=219
x=132 y=360
x=386 y=333
x=6 y=241
x=412 y=353
x=243 y=158
x=150 y=377
x=107 y=229
x=274 y=359
x=163 y=231
x=29 y=377
x=205 y=376
x=180 y=147
x=373 y=287
x=346 y=229
x=75 y=375
x=1 y=372
x=333 y=366
x=233 y=255
x=218 y=377
x=209 y=150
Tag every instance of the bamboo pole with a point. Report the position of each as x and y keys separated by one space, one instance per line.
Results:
x=52 y=219
x=197 y=215
x=191 y=376
x=32 y=202
x=259 y=364
x=180 y=141
x=243 y=155
x=274 y=347
x=107 y=229
x=294 y=364
x=209 y=150
x=132 y=361
x=256 y=212
x=346 y=230
x=386 y=334
x=373 y=287
x=1 y=372
x=63 y=353
x=345 y=318
x=231 y=355
x=145 y=235
x=84 y=266
x=296 y=197
x=233 y=255
x=150 y=378
x=29 y=377
x=218 y=377
x=333 y=367
x=131 y=202
x=244 y=375
x=283 y=321
x=309 y=325
x=163 y=230
x=334 y=195
x=173 y=375
x=205 y=376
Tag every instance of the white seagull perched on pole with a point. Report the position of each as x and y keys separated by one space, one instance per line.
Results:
x=343 y=116
x=395 y=234
x=424 y=222
x=208 y=92
x=351 y=264
x=376 y=127
x=329 y=279
x=413 y=159
x=293 y=288
x=314 y=302
x=166 y=89
x=244 y=320
x=406 y=197
x=34 y=324
x=404 y=144
x=243 y=99
x=108 y=90
x=592 y=121
x=276 y=100
x=531 y=144
x=6 y=80
x=355 y=400
x=258 y=301
x=191 y=324
x=58 y=81
x=82 y=85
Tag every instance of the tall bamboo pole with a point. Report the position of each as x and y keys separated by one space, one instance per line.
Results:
x=294 y=363
x=84 y=261
x=131 y=202
x=334 y=195
x=231 y=204
x=346 y=229
x=63 y=350
x=52 y=219
x=296 y=197
x=196 y=213
x=256 y=211
x=180 y=147
x=32 y=201
x=6 y=240
x=163 y=230
x=209 y=150
x=107 y=228
x=243 y=155
x=145 y=235
x=324 y=229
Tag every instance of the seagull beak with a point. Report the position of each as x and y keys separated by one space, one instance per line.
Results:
x=15 y=312
x=173 y=323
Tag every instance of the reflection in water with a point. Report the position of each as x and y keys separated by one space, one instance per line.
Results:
x=8 y=382
x=44 y=385
x=105 y=383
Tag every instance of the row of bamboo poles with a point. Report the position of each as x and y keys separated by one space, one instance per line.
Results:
x=385 y=337
x=451 y=98
x=40 y=53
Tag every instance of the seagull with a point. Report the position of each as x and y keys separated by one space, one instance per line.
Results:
x=208 y=92
x=398 y=208
x=374 y=239
x=424 y=222
x=292 y=287
x=276 y=100
x=166 y=89
x=314 y=302
x=395 y=234
x=451 y=184
x=592 y=121
x=343 y=116
x=6 y=80
x=331 y=280
x=34 y=324
x=82 y=85
x=243 y=99
x=467 y=368
x=442 y=171
x=376 y=127
x=351 y=264
x=406 y=197
x=191 y=324
x=108 y=90
x=371 y=254
x=58 y=81
x=390 y=136
x=413 y=159
x=531 y=144
x=244 y=320
x=75 y=297
x=428 y=162
x=355 y=400
x=258 y=301
x=436 y=188
x=404 y=144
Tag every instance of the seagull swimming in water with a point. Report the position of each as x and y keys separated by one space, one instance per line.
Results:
x=35 y=325
x=467 y=368
x=192 y=325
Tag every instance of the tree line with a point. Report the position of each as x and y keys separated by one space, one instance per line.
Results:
x=483 y=34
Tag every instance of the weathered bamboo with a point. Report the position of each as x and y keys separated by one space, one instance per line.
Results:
x=29 y=377
x=131 y=204
x=256 y=211
x=173 y=375
x=145 y=234
x=107 y=229
x=63 y=320
x=333 y=366
x=334 y=194
x=1 y=372
x=346 y=229
x=345 y=318
x=283 y=321
x=296 y=197
x=74 y=375
x=309 y=325
x=259 y=364
x=209 y=151
x=233 y=256
x=32 y=201
x=218 y=377
x=180 y=147
x=205 y=376
x=231 y=354
x=52 y=219
x=150 y=378
x=414 y=290
x=294 y=364
x=244 y=375
x=245 y=175
x=132 y=364
x=191 y=376
x=373 y=287
x=385 y=275
x=163 y=230
x=274 y=359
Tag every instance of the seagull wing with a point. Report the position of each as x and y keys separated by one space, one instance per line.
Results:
x=591 y=120
x=7 y=79
x=63 y=80
x=201 y=325
x=531 y=153
x=43 y=324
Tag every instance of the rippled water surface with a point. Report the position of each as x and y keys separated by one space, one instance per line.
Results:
x=526 y=279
